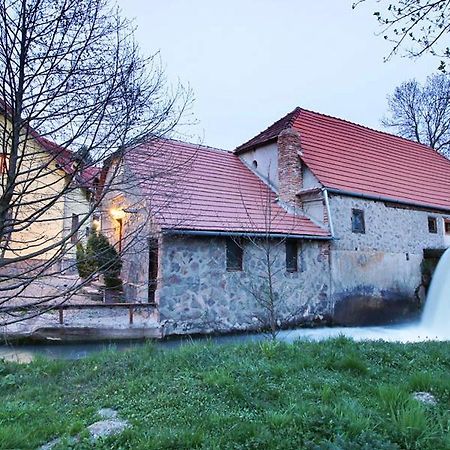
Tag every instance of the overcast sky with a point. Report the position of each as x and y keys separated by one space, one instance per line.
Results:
x=250 y=62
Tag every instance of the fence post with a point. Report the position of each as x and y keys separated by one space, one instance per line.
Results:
x=61 y=315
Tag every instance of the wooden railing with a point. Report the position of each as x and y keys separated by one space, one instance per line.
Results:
x=61 y=308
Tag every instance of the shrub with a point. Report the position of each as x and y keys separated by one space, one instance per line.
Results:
x=85 y=269
x=114 y=283
x=100 y=256
x=103 y=255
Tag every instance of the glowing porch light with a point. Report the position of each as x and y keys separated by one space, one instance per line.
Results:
x=117 y=213
x=96 y=224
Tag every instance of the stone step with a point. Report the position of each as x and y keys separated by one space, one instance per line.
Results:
x=92 y=292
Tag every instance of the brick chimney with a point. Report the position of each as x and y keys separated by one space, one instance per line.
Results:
x=289 y=166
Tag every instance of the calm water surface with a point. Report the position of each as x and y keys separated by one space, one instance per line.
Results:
x=412 y=332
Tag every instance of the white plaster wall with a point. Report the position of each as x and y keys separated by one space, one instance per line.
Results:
x=313 y=206
x=309 y=179
x=314 y=209
x=76 y=202
x=40 y=234
x=267 y=159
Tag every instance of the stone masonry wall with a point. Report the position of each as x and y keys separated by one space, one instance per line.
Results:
x=198 y=295
x=376 y=275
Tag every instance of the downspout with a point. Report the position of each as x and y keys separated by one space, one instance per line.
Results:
x=330 y=222
x=327 y=205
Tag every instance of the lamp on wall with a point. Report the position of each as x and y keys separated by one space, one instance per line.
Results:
x=117 y=213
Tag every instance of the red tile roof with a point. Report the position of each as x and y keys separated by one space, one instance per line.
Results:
x=65 y=159
x=271 y=133
x=192 y=187
x=352 y=158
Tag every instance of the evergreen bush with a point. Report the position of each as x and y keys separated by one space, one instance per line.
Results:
x=85 y=270
x=100 y=256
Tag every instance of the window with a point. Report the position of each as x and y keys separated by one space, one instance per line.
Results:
x=74 y=229
x=432 y=225
x=358 y=225
x=234 y=254
x=2 y=163
x=291 y=255
x=152 y=269
x=96 y=224
x=447 y=226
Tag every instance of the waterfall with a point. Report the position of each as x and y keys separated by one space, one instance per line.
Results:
x=436 y=314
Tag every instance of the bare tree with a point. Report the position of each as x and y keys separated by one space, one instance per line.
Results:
x=422 y=113
x=70 y=72
x=415 y=26
x=266 y=281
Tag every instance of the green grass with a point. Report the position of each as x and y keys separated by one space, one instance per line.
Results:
x=336 y=395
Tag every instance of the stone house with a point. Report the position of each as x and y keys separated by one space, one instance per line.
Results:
x=349 y=213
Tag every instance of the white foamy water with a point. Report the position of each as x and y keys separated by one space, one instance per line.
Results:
x=436 y=315
x=392 y=333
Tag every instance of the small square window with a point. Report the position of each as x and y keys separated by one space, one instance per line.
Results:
x=291 y=255
x=447 y=226
x=358 y=225
x=234 y=254
x=432 y=225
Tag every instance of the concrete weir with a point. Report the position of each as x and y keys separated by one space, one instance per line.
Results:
x=84 y=334
x=77 y=334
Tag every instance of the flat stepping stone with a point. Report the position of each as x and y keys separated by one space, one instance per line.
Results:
x=105 y=428
x=107 y=413
x=109 y=426
x=51 y=444
x=425 y=397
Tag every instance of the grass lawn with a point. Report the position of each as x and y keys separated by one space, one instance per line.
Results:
x=332 y=395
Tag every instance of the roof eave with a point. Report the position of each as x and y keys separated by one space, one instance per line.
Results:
x=247 y=148
x=381 y=198
x=212 y=233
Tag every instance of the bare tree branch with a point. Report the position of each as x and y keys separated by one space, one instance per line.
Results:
x=422 y=113
x=415 y=26
x=72 y=73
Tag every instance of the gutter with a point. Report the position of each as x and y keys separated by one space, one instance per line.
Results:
x=386 y=199
x=244 y=234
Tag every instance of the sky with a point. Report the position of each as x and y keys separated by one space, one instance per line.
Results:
x=250 y=62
